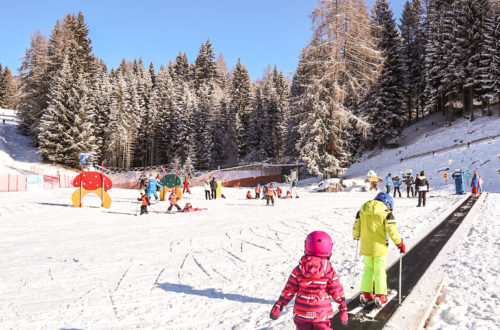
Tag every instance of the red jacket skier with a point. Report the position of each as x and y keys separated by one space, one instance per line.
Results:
x=189 y=208
x=312 y=282
x=186 y=185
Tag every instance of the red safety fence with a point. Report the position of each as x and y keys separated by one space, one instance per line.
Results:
x=66 y=181
x=12 y=182
x=50 y=182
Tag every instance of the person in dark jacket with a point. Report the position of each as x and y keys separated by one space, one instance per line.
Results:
x=142 y=181
x=422 y=185
x=213 y=187
x=409 y=185
x=416 y=188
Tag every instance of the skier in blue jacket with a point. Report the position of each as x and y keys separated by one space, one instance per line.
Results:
x=397 y=184
x=388 y=183
x=151 y=188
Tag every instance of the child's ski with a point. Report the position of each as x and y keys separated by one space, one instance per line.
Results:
x=361 y=306
x=373 y=313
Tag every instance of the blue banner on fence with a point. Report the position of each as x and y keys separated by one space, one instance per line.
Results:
x=34 y=182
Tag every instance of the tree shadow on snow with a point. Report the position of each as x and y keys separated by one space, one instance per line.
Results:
x=211 y=293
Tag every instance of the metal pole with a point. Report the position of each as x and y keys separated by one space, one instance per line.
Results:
x=81 y=179
x=102 y=184
x=400 y=271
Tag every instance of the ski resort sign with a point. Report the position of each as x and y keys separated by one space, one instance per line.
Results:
x=84 y=158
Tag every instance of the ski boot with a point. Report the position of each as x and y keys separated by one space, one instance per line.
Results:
x=380 y=300
x=366 y=298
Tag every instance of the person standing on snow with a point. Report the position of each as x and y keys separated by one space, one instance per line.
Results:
x=213 y=187
x=312 y=282
x=151 y=188
x=409 y=185
x=397 y=183
x=270 y=194
x=416 y=187
x=475 y=184
x=480 y=187
x=142 y=181
x=295 y=184
x=388 y=183
x=422 y=185
x=186 y=185
x=257 y=191
x=207 y=191
x=173 y=201
x=374 y=222
x=264 y=192
x=144 y=202
x=158 y=179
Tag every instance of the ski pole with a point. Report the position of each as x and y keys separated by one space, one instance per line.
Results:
x=355 y=263
x=400 y=271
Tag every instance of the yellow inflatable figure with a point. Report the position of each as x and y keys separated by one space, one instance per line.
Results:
x=106 y=199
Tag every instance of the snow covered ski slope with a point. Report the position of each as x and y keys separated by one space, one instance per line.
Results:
x=224 y=267
x=221 y=268
x=424 y=137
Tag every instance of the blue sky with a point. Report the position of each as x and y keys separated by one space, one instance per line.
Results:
x=260 y=32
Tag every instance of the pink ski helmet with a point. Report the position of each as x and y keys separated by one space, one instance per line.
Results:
x=319 y=244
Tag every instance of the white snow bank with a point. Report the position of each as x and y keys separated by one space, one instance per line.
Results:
x=16 y=153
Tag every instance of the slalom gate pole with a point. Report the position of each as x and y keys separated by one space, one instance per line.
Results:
x=400 y=271
x=102 y=183
x=81 y=179
x=355 y=263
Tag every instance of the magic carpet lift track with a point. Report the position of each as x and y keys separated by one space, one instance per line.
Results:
x=415 y=264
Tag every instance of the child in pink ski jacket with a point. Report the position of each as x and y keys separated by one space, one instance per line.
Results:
x=312 y=282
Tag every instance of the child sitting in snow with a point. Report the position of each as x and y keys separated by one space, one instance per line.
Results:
x=312 y=282
x=288 y=195
x=189 y=208
x=249 y=195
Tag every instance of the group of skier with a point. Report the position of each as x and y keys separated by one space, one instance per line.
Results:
x=211 y=189
x=420 y=183
x=269 y=193
x=314 y=280
x=151 y=186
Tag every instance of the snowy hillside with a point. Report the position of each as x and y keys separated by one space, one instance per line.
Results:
x=482 y=156
x=223 y=267
x=16 y=153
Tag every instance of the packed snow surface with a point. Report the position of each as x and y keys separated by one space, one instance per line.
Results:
x=471 y=297
x=220 y=268
x=224 y=267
